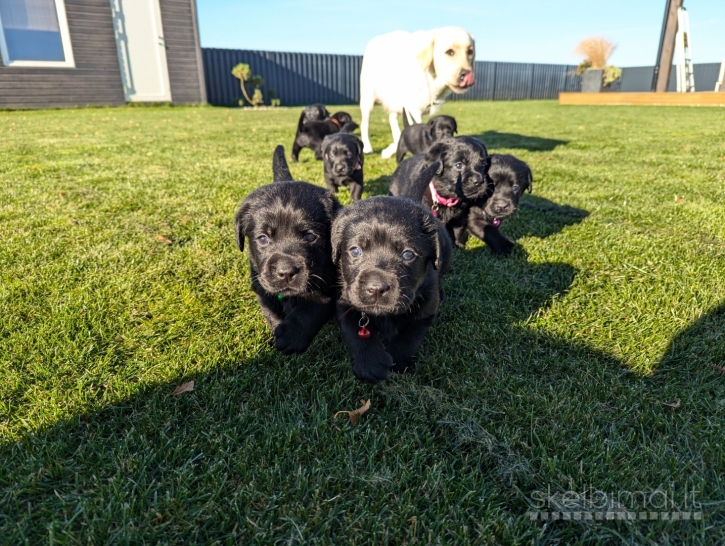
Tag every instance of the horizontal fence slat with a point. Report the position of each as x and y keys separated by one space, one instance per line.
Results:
x=307 y=78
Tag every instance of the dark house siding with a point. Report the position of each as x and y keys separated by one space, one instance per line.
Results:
x=183 y=54
x=96 y=79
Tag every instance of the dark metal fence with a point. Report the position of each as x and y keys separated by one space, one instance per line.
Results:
x=297 y=78
x=639 y=78
x=306 y=78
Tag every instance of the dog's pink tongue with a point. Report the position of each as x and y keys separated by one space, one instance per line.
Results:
x=468 y=80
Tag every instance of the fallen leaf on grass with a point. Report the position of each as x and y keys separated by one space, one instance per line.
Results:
x=354 y=415
x=165 y=240
x=718 y=368
x=679 y=199
x=671 y=405
x=184 y=387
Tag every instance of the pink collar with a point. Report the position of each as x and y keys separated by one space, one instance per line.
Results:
x=438 y=199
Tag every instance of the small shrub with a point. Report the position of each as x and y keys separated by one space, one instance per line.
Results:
x=243 y=72
x=257 y=98
x=596 y=50
x=273 y=100
x=611 y=74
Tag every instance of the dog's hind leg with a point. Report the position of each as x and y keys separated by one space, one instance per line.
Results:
x=367 y=101
x=296 y=149
x=395 y=128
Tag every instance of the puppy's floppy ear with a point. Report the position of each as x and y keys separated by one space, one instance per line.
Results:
x=424 y=44
x=430 y=227
x=336 y=238
x=429 y=128
x=416 y=190
x=331 y=205
x=242 y=223
x=325 y=145
x=280 y=170
x=436 y=153
x=360 y=154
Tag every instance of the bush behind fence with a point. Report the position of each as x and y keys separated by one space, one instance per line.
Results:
x=306 y=78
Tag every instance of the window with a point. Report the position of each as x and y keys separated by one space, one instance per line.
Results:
x=35 y=33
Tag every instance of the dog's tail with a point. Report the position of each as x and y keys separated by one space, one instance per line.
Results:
x=349 y=127
x=280 y=170
x=416 y=190
x=301 y=122
x=406 y=123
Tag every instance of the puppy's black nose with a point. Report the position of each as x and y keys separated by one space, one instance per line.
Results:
x=376 y=289
x=502 y=207
x=340 y=168
x=286 y=271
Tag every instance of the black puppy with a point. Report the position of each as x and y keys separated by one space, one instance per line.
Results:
x=417 y=138
x=511 y=177
x=311 y=133
x=391 y=253
x=314 y=112
x=460 y=181
x=288 y=226
x=343 y=163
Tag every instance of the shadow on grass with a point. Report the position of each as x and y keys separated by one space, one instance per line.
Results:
x=496 y=407
x=378 y=186
x=515 y=141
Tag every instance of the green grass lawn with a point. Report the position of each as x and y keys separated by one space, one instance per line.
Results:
x=548 y=373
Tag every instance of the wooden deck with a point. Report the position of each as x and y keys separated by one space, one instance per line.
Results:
x=705 y=98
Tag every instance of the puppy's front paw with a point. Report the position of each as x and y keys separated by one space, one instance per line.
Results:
x=373 y=368
x=503 y=246
x=404 y=366
x=289 y=338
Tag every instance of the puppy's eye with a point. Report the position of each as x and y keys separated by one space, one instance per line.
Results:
x=470 y=51
x=263 y=240
x=459 y=166
x=355 y=252
x=450 y=53
x=310 y=237
x=516 y=187
x=407 y=255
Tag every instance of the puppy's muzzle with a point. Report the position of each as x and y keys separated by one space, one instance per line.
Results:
x=341 y=169
x=501 y=209
x=374 y=289
x=284 y=272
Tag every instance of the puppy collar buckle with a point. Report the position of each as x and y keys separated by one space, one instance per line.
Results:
x=496 y=222
x=358 y=166
x=438 y=199
x=280 y=297
x=363 y=333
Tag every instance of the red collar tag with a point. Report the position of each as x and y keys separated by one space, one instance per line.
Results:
x=363 y=332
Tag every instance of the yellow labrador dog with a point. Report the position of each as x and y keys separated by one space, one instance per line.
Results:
x=413 y=71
